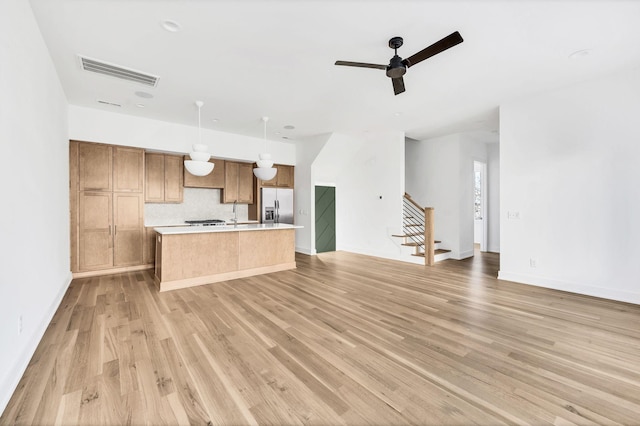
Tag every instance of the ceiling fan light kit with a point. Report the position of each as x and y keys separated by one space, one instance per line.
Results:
x=199 y=164
x=265 y=169
x=397 y=67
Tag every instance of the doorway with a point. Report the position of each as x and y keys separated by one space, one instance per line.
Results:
x=480 y=217
x=325 y=207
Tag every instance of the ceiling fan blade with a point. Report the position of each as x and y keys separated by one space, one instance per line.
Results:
x=398 y=85
x=437 y=47
x=361 y=65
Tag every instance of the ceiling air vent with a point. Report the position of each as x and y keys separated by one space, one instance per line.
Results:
x=100 y=101
x=117 y=71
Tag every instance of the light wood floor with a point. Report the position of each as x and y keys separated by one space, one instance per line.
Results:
x=344 y=339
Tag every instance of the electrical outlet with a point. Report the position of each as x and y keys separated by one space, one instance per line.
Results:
x=533 y=262
x=513 y=215
x=20 y=324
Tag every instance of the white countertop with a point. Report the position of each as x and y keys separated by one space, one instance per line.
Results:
x=182 y=223
x=227 y=228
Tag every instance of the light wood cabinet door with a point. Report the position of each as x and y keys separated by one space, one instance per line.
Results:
x=283 y=178
x=154 y=178
x=163 y=178
x=215 y=179
x=230 y=192
x=245 y=183
x=149 y=246
x=95 y=240
x=272 y=182
x=173 y=179
x=128 y=229
x=94 y=167
x=128 y=167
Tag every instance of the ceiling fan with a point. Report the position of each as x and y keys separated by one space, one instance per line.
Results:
x=398 y=67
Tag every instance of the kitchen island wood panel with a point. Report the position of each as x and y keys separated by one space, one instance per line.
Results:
x=259 y=249
x=195 y=258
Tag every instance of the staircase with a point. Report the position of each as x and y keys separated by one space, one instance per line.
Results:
x=418 y=228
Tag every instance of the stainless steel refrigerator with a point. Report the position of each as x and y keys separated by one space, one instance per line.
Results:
x=277 y=205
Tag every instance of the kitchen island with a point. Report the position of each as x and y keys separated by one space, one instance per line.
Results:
x=188 y=256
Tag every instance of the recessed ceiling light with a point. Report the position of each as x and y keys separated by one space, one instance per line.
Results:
x=140 y=105
x=397 y=114
x=215 y=120
x=144 y=95
x=289 y=127
x=171 y=26
x=278 y=133
x=578 y=54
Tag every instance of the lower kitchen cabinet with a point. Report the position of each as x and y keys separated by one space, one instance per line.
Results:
x=128 y=213
x=149 y=245
x=95 y=238
x=110 y=230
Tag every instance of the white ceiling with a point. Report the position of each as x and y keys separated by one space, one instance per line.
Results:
x=246 y=59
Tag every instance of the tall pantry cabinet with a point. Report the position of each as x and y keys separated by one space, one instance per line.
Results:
x=106 y=206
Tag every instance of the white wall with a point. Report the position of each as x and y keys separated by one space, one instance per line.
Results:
x=493 y=197
x=304 y=192
x=34 y=223
x=439 y=174
x=369 y=195
x=433 y=180
x=570 y=168
x=95 y=125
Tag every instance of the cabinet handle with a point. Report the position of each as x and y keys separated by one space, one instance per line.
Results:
x=109 y=229
x=115 y=229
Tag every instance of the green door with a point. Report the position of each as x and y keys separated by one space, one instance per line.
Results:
x=325 y=219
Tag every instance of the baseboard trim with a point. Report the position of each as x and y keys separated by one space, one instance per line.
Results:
x=462 y=255
x=586 y=290
x=305 y=250
x=8 y=387
x=225 y=276
x=112 y=271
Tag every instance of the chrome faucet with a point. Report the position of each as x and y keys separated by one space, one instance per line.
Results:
x=235 y=213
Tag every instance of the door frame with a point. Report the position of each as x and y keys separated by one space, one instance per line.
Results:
x=483 y=201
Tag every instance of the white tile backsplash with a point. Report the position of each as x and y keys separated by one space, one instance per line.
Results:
x=199 y=203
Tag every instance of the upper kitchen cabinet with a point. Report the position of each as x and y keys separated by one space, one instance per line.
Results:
x=215 y=179
x=128 y=169
x=109 y=168
x=238 y=183
x=95 y=165
x=163 y=178
x=283 y=179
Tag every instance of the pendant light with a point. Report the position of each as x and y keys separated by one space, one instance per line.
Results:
x=199 y=164
x=265 y=169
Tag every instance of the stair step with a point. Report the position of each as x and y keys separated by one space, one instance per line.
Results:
x=435 y=252
x=413 y=224
x=414 y=234
x=414 y=244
